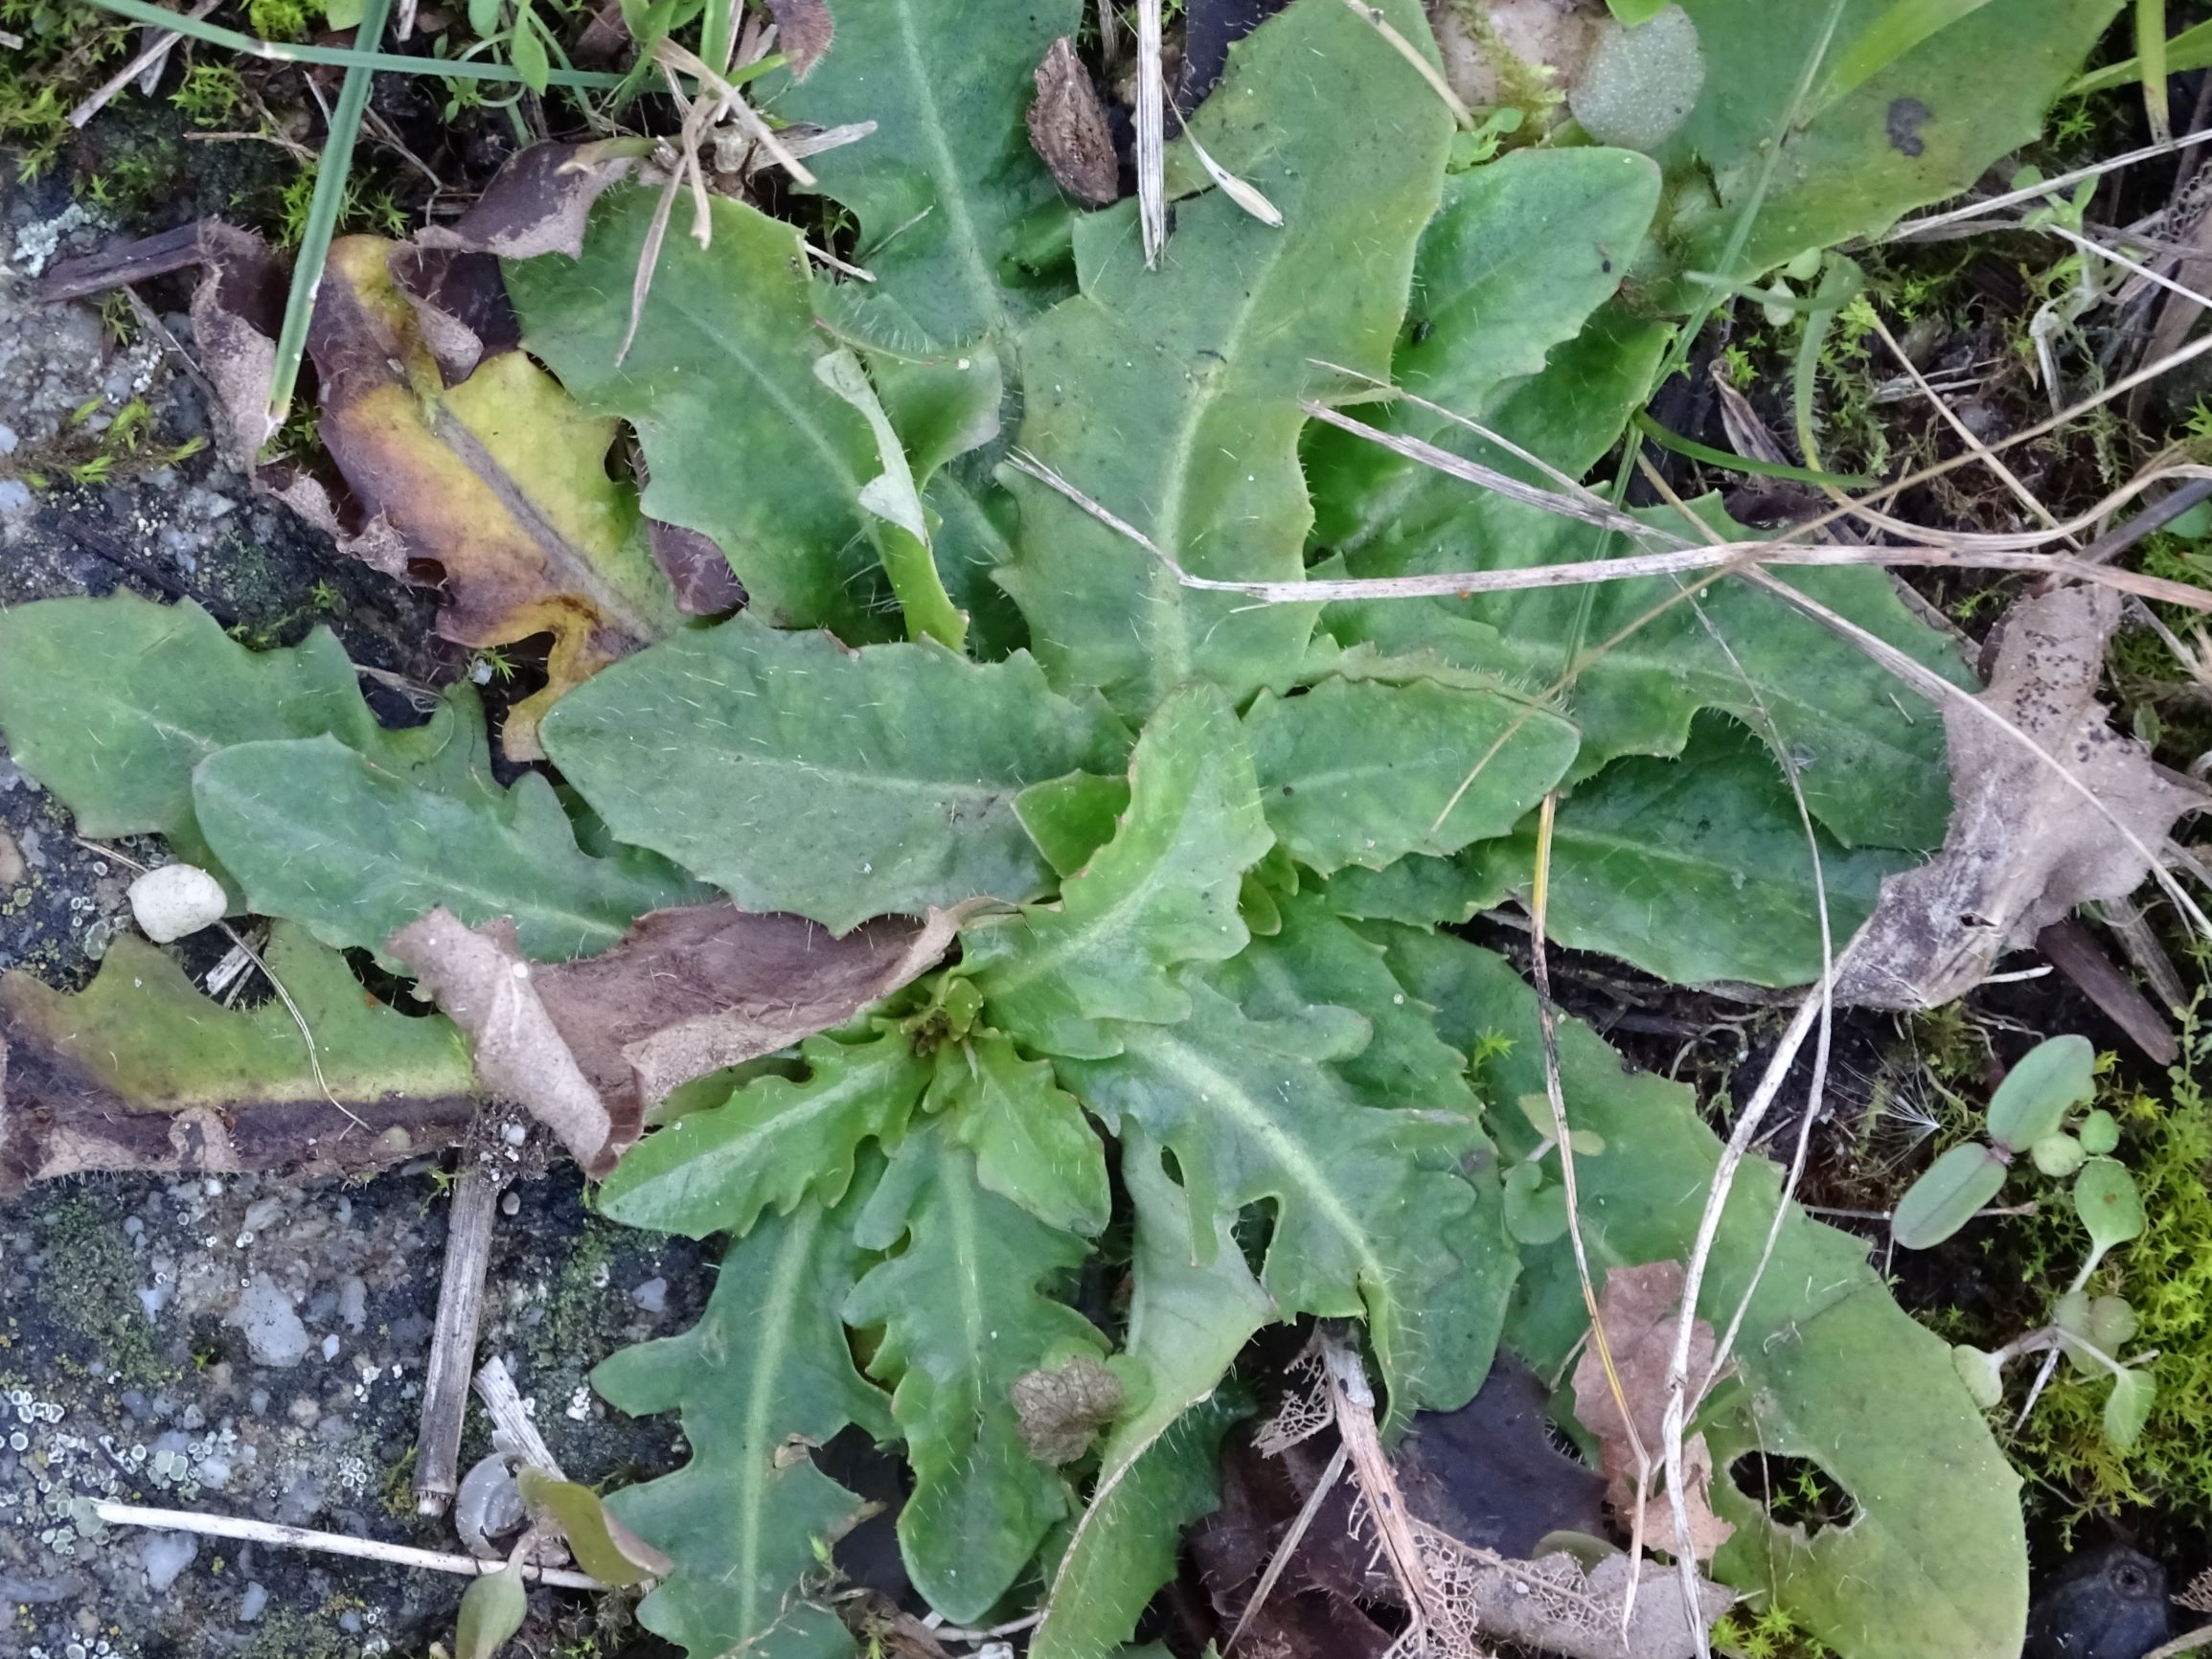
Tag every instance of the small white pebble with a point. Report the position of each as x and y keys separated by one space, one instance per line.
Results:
x=330 y=1345
x=511 y=1204
x=175 y=900
x=514 y=1134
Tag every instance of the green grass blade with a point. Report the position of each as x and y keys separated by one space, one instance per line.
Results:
x=2151 y=53
x=1841 y=282
x=323 y=210
x=718 y=33
x=2191 y=49
x=1904 y=26
x=342 y=57
x=1706 y=455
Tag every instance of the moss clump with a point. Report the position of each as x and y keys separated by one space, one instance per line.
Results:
x=1768 y=1634
x=92 y=1279
x=585 y=1315
x=288 y=1634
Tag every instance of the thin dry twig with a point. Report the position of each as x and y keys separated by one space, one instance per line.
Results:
x=1923 y=229
x=1547 y=1026
x=1966 y=434
x=330 y=1543
x=469 y=1220
x=1679 y=557
x=1152 y=133
x=729 y=101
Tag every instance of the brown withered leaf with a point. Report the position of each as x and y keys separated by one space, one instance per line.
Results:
x=1069 y=127
x=460 y=304
x=1639 y=1308
x=699 y=571
x=2023 y=847
x=236 y=311
x=539 y=200
x=499 y=482
x=701 y=987
x=803 y=31
x=590 y=1046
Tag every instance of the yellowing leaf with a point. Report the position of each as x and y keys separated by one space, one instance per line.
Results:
x=500 y=480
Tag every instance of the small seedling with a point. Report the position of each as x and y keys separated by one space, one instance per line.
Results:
x=2089 y=1330
x=2027 y=1114
x=1536 y=1210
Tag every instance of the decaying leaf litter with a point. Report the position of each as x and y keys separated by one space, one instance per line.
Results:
x=1183 y=850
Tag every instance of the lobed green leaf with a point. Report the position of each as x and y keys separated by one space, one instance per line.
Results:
x=836 y=785
x=112 y=703
x=1171 y=397
x=773 y=1144
x=944 y=183
x=1364 y=772
x=1031 y=1141
x=1830 y=1369
x=742 y=441
x=766 y=1372
x=1375 y=1213
x=1695 y=870
x=321 y=834
x=962 y=1317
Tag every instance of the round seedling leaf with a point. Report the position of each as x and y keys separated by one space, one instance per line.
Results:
x=2058 y=1155
x=2109 y=1207
x=2128 y=1407
x=491 y=1610
x=2100 y=1133
x=2052 y=1078
x=2071 y=1315
x=1983 y=1375
x=1535 y=1214
x=1948 y=1192
x=2111 y=1323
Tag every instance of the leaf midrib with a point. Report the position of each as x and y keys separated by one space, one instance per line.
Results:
x=707 y=1166
x=524 y=900
x=945 y=171
x=1165 y=591
x=780 y=1308
x=724 y=341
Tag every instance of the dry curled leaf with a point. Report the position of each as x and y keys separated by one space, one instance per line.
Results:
x=1069 y=127
x=482 y=981
x=693 y=990
x=1551 y=1605
x=590 y=1046
x=1063 y=1407
x=2023 y=846
x=538 y=201
x=804 y=30
x=698 y=573
x=1638 y=1308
